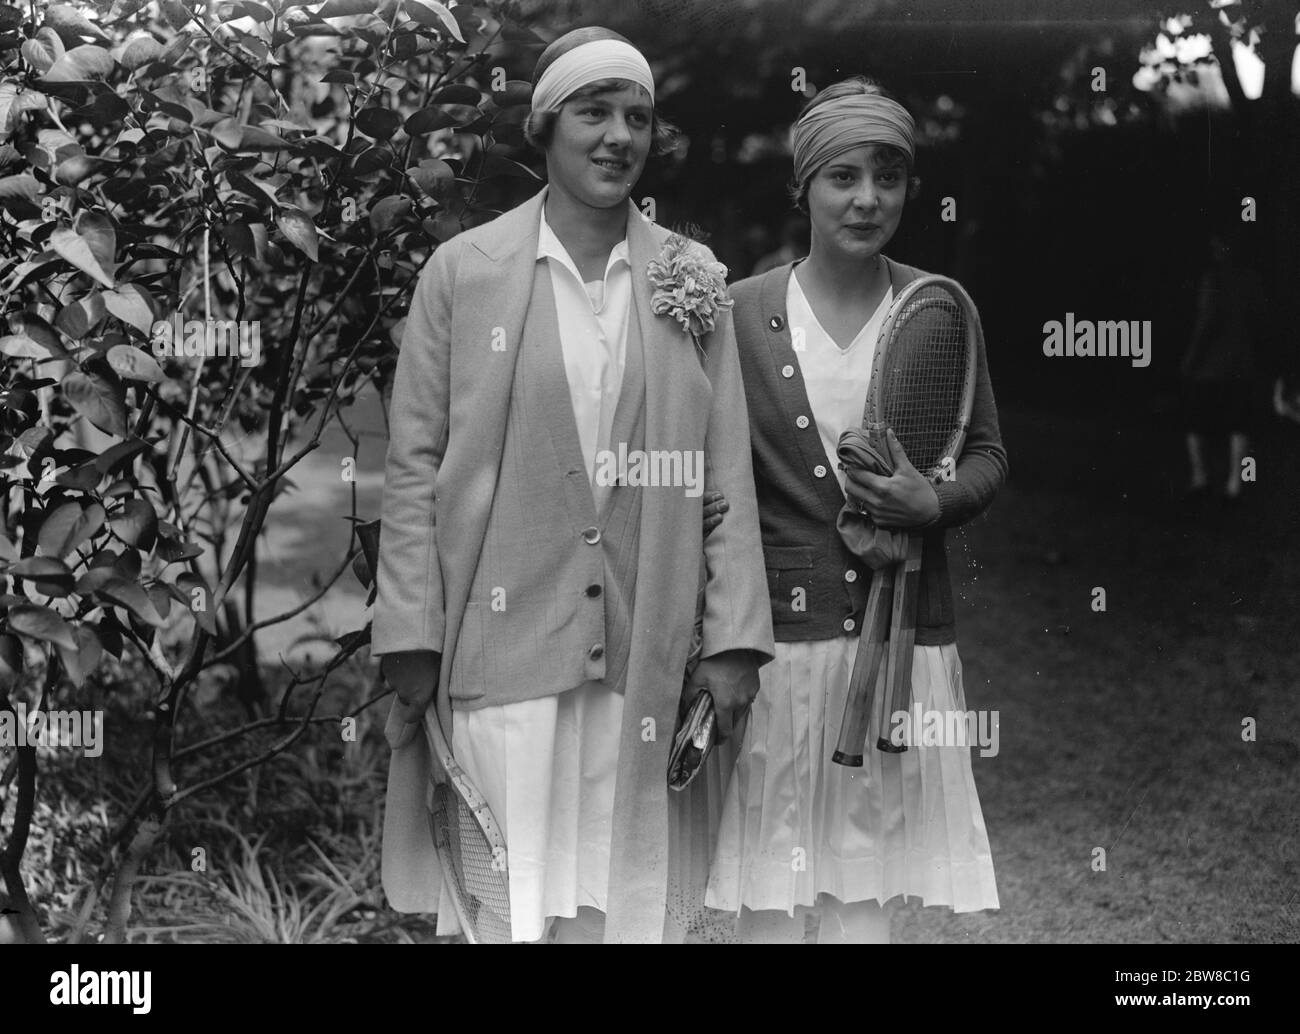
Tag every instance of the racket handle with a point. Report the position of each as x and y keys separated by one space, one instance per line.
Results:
x=852 y=742
x=902 y=639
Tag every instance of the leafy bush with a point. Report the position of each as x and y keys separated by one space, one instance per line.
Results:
x=212 y=217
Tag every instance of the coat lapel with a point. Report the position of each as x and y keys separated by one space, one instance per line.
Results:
x=676 y=407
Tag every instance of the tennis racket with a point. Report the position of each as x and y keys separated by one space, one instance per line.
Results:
x=922 y=387
x=470 y=846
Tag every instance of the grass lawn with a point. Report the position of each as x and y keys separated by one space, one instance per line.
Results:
x=1123 y=730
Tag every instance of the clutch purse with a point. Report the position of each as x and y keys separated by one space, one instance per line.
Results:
x=692 y=742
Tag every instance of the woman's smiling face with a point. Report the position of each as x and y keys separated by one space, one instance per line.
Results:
x=855 y=202
x=600 y=145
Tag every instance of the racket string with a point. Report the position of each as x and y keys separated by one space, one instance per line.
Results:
x=924 y=376
x=477 y=869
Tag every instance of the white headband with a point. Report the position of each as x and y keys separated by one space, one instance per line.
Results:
x=588 y=63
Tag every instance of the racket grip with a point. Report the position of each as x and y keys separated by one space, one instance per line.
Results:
x=850 y=748
x=897 y=696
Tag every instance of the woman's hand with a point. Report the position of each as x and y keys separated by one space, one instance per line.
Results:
x=414 y=678
x=715 y=505
x=906 y=499
x=732 y=680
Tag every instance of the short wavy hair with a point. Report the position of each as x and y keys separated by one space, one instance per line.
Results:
x=539 y=126
x=887 y=155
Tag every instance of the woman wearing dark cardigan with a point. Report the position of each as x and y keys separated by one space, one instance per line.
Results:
x=799 y=832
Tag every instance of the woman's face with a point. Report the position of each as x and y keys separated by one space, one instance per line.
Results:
x=600 y=145
x=855 y=202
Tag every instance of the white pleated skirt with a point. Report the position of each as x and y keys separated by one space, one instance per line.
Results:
x=796 y=825
x=547 y=768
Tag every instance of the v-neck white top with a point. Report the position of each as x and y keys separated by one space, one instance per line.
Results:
x=836 y=379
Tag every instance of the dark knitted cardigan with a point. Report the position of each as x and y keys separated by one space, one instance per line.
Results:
x=799 y=496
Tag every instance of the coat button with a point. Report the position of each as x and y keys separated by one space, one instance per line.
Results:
x=801 y=422
x=594 y=590
x=850 y=575
x=596 y=652
x=787 y=370
x=849 y=625
x=819 y=471
x=776 y=323
x=591 y=536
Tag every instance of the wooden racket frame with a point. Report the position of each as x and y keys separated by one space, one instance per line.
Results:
x=445 y=771
x=888 y=633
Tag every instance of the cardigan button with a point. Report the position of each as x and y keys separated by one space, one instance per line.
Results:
x=787 y=370
x=596 y=652
x=819 y=471
x=850 y=575
x=591 y=536
x=776 y=323
x=801 y=422
x=849 y=625
x=593 y=591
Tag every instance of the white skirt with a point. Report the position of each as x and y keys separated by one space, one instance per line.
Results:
x=795 y=824
x=547 y=768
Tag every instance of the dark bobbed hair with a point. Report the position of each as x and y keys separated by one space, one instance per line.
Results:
x=539 y=127
x=886 y=155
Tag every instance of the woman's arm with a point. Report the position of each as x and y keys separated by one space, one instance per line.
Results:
x=907 y=499
x=409 y=608
x=982 y=466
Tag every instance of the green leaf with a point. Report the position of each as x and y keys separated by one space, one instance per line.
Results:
x=116 y=457
x=44 y=50
x=71 y=24
x=137 y=524
x=441 y=116
x=433 y=176
x=516 y=92
x=79 y=318
x=22 y=185
x=347 y=8
x=100 y=400
x=130 y=596
x=435 y=16
x=88 y=584
x=42 y=624
x=81 y=64
x=499 y=165
x=80 y=661
x=177 y=14
x=197 y=598
x=338 y=75
x=77 y=169
x=140 y=52
x=97 y=230
x=20 y=346
x=68 y=527
x=458 y=93
x=173 y=550
x=72 y=247
x=378 y=123
x=297 y=226
x=11 y=660
x=130 y=304
x=134 y=364
x=387 y=212
x=42 y=568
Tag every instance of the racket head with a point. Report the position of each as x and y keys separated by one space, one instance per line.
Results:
x=923 y=374
x=470 y=846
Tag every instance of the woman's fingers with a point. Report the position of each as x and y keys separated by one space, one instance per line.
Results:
x=715 y=505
